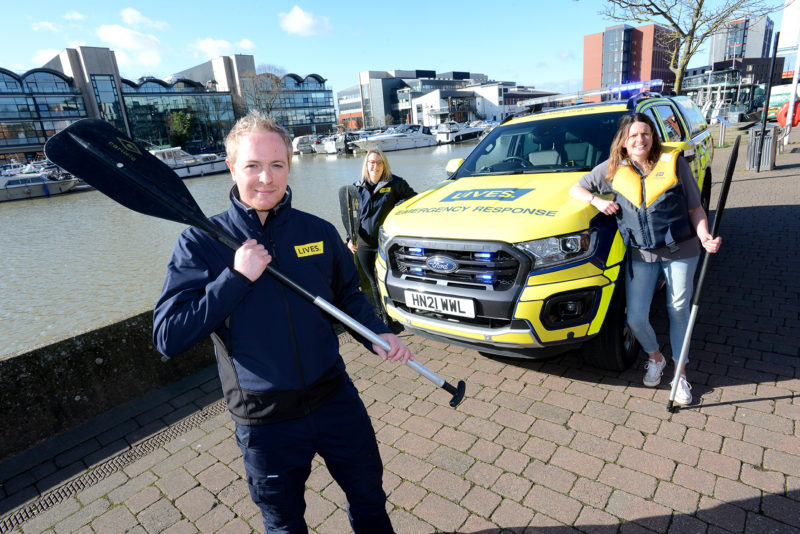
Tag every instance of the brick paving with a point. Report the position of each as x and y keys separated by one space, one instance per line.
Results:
x=550 y=447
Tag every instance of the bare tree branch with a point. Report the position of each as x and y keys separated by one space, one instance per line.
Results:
x=262 y=89
x=691 y=22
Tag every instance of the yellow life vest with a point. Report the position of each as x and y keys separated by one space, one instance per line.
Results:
x=628 y=183
x=653 y=209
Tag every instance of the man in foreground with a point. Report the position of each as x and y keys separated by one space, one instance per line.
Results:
x=283 y=379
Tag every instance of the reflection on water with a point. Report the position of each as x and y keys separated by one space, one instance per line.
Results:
x=78 y=261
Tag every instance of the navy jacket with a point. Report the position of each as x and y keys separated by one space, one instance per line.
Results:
x=281 y=355
x=374 y=206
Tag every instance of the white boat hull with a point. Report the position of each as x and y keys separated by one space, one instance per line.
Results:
x=395 y=143
x=201 y=169
x=43 y=189
x=465 y=134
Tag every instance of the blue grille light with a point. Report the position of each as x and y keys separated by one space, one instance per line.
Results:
x=486 y=278
x=417 y=270
x=415 y=251
x=484 y=256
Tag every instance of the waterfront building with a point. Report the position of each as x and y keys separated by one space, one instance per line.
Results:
x=731 y=88
x=743 y=38
x=150 y=105
x=386 y=97
x=492 y=101
x=85 y=82
x=351 y=116
x=34 y=106
x=304 y=105
x=623 y=54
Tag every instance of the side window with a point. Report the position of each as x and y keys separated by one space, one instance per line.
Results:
x=650 y=113
x=692 y=114
x=672 y=127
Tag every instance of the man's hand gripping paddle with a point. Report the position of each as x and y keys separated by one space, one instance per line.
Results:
x=107 y=159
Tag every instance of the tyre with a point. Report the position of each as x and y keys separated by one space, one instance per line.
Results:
x=614 y=348
x=705 y=194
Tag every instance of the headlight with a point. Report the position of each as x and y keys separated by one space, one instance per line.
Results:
x=552 y=251
x=383 y=238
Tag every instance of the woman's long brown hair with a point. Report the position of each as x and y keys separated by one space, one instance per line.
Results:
x=618 y=151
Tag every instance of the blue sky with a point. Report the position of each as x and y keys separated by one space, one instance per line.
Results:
x=531 y=42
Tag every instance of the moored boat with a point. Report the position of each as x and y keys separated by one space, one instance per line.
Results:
x=399 y=138
x=341 y=143
x=33 y=185
x=303 y=144
x=188 y=165
x=453 y=132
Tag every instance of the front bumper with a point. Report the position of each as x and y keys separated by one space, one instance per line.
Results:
x=542 y=314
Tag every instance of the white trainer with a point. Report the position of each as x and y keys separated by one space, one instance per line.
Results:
x=654 y=369
x=683 y=394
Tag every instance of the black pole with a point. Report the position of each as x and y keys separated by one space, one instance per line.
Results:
x=723 y=197
x=766 y=103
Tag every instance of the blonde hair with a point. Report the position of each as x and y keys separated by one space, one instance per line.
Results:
x=387 y=172
x=256 y=121
x=618 y=152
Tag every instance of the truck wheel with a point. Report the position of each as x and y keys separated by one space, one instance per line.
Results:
x=705 y=194
x=614 y=348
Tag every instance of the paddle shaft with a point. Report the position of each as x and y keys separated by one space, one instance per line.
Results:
x=195 y=218
x=723 y=197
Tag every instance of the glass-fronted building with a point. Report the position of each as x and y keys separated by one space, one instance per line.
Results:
x=85 y=82
x=33 y=107
x=617 y=55
x=303 y=105
x=743 y=38
x=151 y=103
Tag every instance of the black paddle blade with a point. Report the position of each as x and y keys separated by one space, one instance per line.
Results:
x=107 y=159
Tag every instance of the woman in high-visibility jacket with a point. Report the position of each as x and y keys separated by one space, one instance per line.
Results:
x=378 y=192
x=657 y=205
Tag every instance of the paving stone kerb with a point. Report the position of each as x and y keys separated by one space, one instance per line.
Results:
x=553 y=445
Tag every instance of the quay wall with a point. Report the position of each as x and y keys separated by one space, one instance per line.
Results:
x=57 y=387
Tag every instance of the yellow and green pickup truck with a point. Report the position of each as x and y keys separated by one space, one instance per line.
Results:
x=501 y=259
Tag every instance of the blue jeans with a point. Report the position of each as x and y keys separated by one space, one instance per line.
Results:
x=679 y=275
x=277 y=460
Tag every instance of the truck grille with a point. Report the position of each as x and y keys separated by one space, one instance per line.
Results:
x=481 y=266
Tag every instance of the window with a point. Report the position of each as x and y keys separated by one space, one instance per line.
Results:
x=673 y=132
x=8 y=84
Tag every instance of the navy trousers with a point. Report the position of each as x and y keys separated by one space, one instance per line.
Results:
x=277 y=460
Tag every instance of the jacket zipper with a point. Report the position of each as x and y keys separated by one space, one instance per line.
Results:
x=648 y=244
x=306 y=408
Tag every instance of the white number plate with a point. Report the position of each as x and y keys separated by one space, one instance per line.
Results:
x=441 y=304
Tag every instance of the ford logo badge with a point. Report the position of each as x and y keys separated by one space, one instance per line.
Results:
x=441 y=264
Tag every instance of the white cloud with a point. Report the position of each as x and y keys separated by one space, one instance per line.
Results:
x=210 y=48
x=134 y=18
x=43 y=25
x=303 y=23
x=566 y=54
x=246 y=44
x=43 y=56
x=132 y=47
x=74 y=15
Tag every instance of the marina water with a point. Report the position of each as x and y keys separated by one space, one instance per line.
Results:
x=75 y=262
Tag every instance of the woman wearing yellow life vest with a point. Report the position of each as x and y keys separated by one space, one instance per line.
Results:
x=657 y=205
